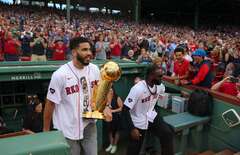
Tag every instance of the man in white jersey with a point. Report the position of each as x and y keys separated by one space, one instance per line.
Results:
x=141 y=115
x=69 y=95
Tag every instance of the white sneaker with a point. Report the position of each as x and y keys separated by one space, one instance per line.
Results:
x=109 y=148
x=114 y=149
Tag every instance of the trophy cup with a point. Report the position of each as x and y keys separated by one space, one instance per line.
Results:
x=109 y=72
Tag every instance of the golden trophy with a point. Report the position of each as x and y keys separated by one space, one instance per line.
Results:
x=109 y=72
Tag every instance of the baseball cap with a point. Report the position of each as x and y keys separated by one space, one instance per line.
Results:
x=199 y=52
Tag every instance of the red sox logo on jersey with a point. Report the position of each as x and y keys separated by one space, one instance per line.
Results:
x=72 y=89
x=75 y=88
x=146 y=99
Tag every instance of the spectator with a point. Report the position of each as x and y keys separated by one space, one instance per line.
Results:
x=229 y=84
x=115 y=48
x=25 y=40
x=204 y=75
x=115 y=125
x=125 y=48
x=143 y=43
x=144 y=58
x=38 y=45
x=158 y=61
x=186 y=52
x=181 y=66
x=229 y=70
x=59 y=50
x=100 y=49
x=130 y=56
x=153 y=47
x=11 y=47
x=34 y=120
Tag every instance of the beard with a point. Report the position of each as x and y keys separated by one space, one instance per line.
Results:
x=157 y=82
x=81 y=60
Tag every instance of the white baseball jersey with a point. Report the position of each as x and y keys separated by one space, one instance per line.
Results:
x=70 y=89
x=141 y=102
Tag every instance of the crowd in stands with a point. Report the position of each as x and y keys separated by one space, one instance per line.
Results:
x=201 y=57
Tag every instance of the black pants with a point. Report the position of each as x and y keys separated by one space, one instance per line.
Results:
x=161 y=130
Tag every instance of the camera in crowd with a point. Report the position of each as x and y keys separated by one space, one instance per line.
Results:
x=234 y=79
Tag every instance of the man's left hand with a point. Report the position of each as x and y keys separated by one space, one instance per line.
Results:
x=107 y=112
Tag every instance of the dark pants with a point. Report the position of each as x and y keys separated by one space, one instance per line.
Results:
x=161 y=130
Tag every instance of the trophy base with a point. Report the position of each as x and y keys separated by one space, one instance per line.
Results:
x=94 y=114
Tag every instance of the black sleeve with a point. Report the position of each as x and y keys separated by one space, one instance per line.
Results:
x=127 y=116
x=27 y=121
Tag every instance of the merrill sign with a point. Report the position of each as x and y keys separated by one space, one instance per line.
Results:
x=27 y=76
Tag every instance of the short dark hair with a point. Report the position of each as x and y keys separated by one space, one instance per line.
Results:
x=74 y=42
x=151 y=70
x=179 y=49
x=143 y=48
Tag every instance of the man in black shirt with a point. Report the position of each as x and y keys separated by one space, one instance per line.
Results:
x=38 y=45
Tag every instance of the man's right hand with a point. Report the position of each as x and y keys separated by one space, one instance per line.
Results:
x=177 y=82
x=226 y=78
x=135 y=134
x=107 y=112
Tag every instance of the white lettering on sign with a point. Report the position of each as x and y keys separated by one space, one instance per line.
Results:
x=26 y=77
